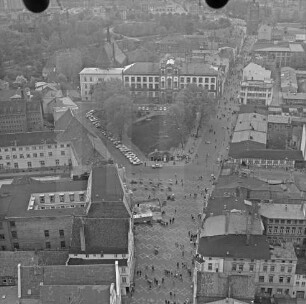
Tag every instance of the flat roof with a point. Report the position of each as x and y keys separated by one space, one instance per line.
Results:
x=280 y=119
x=282 y=211
x=248 y=135
x=251 y=121
x=286 y=252
x=289 y=95
x=235 y=246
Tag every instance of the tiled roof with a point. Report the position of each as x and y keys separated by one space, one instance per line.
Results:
x=33 y=276
x=10 y=259
x=52 y=257
x=17 y=197
x=76 y=261
x=101 y=235
x=251 y=136
x=91 y=294
x=216 y=285
x=269 y=154
x=142 y=68
x=106 y=185
x=238 y=147
x=91 y=71
x=198 y=69
x=235 y=246
x=28 y=138
x=108 y=210
x=231 y=223
x=63 y=122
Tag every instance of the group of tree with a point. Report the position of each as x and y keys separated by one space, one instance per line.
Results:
x=191 y=108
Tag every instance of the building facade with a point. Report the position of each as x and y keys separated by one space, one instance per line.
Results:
x=163 y=81
x=27 y=151
x=256 y=92
x=20 y=116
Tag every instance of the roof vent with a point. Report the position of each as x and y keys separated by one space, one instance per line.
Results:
x=227 y=253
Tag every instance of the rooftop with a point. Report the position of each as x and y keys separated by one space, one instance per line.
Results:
x=77 y=261
x=142 y=68
x=97 y=71
x=283 y=211
x=101 y=235
x=235 y=246
x=254 y=71
x=32 y=276
x=106 y=185
x=280 y=119
x=236 y=148
x=286 y=252
x=89 y=294
x=269 y=154
x=289 y=95
x=233 y=222
x=28 y=138
x=14 y=198
x=248 y=135
x=251 y=122
x=215 y=286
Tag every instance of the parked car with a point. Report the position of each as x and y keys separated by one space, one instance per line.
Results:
x=155 y=166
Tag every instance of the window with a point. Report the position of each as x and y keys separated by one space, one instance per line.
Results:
x=289 y=269
x=209 y=266
x=42 y=199
x=21 y=156
x=12 y=224
x=46 y=232
x=49 y=153
x=48 y=245
x=20 y=149
x=240 y=267
x=42 y=163
x=281 y=280
x=34 y=154
x=123 y=269
x=16 y=245
x=2 y=237
x=272 y=268
x=62 y=198
x=62 y=152
x=303 y=284
x=29 y=165
x=14 y=234
x=1 y=225
x=270 y=279
x=287 y=230
x=115 y=255
x=7 y=157
x=206 y=80
x=279 y=290
x=234 y=267
x=63 y=244
x=156 y=79
x=265 y=268
x=251 y=267
x=126 y=79
x=81 y=197
x=123 y=279
x=138 y=79
x=57 y=162
x=261 y=279
x=288 y=280
x=71 y=197
x=41 y=154
x=52 y=198
x=61 y=232
x=200 y=80
x=16 y=165
x=212 y=80
x=188 y=79
x=282 y=268
x=144 y=79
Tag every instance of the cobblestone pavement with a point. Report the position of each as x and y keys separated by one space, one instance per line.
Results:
x=174 y=239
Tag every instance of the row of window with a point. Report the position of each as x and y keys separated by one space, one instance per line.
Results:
x=66 y=206
x=33 y=148
x=277 y=221
x=212 y=87
x=43 y=200
x=281 y=279
x=35 y=155
x=241 y=267
x=287 y=230
x=61 y=233
x=29 y=164
x=144 y=79
x=63 y=245
x=101 y=255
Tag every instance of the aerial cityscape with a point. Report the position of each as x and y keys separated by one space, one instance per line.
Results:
x=152 y=152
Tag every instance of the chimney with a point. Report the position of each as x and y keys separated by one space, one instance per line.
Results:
x=82 y=237
x=19 y=280
x=227 y=219
x=248 y=236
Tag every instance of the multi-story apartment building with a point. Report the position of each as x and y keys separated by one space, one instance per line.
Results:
x=90 y=76
x=163 y=81
x=288 y=80
x=294 y=99
x=91 y=218
x=273 y=267
x=26 y=151
x=256 y=86
x=284 y=223
x=20 y=116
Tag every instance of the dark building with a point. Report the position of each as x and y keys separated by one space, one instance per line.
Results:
x=252 y=19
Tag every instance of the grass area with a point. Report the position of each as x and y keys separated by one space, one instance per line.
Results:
x=149 y=135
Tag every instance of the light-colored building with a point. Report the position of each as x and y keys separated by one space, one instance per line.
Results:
x=90 y=76
x=284 y=223
x=273 y=267
x=294 y=99
x=288 y=80
x=265 y=32
x=27 y=151
x=256 y=86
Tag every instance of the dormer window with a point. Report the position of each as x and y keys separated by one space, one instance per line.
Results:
x=52 y=198
x=71 y=197
x=163 y=72
x=42 y=199
x=81 y=197
x=62 y=197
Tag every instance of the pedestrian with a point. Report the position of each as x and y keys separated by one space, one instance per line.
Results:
x=152 y=268
x=175 y=210
x=178 y=265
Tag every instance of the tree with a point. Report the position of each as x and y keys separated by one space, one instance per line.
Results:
x=118 y=113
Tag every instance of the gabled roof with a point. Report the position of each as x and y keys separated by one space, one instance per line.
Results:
x=101 y=235
x=108 y=210
x=214 y=286
x=235 y=246
x=106 y=185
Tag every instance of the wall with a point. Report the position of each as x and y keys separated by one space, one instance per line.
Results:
x=30 y=232
x=303 y=142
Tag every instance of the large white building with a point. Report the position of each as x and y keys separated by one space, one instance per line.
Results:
x=256 y=86
x=91 y=76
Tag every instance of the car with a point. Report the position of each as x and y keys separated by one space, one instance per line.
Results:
x=207 y=142
x=155 y=166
